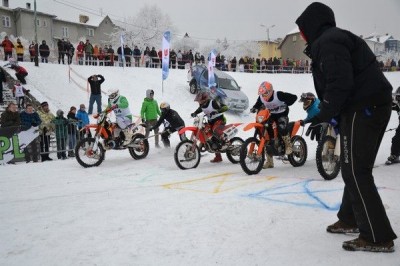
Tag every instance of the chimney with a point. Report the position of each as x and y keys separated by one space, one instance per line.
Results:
x=83 y=18
x=5 y=3
x=28 y=6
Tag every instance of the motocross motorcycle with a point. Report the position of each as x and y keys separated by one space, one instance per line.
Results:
x=253 y=150
x=90 y=151
x=328 y=153
x=187 y=152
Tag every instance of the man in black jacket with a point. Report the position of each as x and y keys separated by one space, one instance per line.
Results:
x=172 y=122
x=351 y=86
x=95 y=82
x=44 y=52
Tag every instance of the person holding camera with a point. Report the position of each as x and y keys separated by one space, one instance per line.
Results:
x=95 y=82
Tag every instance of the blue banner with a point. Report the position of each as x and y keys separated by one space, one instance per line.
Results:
x=211 y=65
x=165 y=54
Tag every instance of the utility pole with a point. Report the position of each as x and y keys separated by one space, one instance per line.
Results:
x=36 y=40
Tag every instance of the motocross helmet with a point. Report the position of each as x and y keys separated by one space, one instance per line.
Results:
x=202 y=97
x=164 y=106
x=113 y=94
x=307 y=99
x=265 y=90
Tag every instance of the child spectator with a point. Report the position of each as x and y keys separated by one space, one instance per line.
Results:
x=72 y=131
x=83 y=119
x=19 y=93
x=29 y=118
x=61 y=124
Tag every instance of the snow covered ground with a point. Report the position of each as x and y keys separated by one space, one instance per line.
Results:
x=149 y=212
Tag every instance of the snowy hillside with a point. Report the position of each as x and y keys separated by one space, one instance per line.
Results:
x=148 y=212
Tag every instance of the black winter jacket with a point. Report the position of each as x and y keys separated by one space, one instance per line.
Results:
x=173 y=118
x=95 y=85
x=345 y=71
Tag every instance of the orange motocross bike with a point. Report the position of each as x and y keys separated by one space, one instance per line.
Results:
x=254 y=149
x=187 y=152
x=90 y=151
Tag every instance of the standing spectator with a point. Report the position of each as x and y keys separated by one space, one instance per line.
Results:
x=19 y=93
x=136 y=55
x=149 y=114
x=120 y=58
x=2 y=79
x=101 y=56
x=32 y=51
x=146 y=56
x=128 y=55
x=172 y=57
x=61 y=128
x=350 y=85
x=61 y=50
x=96 y=52
x=83 y=119
x=44 y=52
x=179 y=58
x=110 y=52
x=29 y=118
x=69 y=50
x=95 y=82
x=153 y=58
x=233 y=64
x=160 y=58
x=72 y=131
x=79 y=52
x=197 y=58
x=395 y=148
x=107 y=56
x=88 y=53
x=10 y=117
x=19 y=50
x=7 y=46
x=190 y=57
x=46 y=128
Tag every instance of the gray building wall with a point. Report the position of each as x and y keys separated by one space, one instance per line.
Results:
x=25 y=26
x=102 y=33
x=9 y=13
x=292 y=47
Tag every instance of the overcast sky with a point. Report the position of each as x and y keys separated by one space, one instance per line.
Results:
x=238 y=19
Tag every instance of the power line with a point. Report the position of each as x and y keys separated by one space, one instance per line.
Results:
x=97 y=13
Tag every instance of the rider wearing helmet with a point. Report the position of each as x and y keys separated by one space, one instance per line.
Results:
x=214 y=112
x=278 y=103
x=310 y=105
x=119 y=104
x=395 y=149
x=172 y=122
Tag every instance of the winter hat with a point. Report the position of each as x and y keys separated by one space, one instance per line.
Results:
x=60 y=112
x=43 y=104
x=149 y=93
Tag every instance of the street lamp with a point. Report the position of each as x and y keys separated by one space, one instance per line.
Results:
x=267 y=30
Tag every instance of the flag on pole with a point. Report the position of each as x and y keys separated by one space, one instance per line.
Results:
x=165 y=54
x=122 y=48
x=211 y=65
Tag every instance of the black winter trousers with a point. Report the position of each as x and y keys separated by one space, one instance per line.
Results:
x=361 y=135
x=395 y=149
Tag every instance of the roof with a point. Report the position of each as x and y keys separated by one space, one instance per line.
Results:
x=379 y=38
x=292 y=32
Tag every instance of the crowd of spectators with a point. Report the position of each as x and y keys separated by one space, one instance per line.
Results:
x=86 y=53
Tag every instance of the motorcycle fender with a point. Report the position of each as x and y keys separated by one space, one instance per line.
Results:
x=183 y=130
x=296 y=127
x=253 y=125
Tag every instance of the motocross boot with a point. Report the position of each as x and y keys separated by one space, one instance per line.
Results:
x=288 y=144
x=217 y=158
x=269 y=163
x=128 y=136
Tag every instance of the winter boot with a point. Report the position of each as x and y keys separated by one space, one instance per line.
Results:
x=288 y=144
x=217 y=158
x=269 y=163
x=71 y=154
x=341 y=228
x=360 y=244
x=392 y=159
x=128 y=136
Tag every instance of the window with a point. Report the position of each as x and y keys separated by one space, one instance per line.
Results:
x=45 y=23
x=6 y=21
x=65 y=32
x=38 y=22
x=294 y=39
x=90 y=32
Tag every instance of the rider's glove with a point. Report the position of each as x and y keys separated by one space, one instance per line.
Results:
x=115 y=106
x=253 y=110
x=302 y=123
x=143 y=120
x=193 y=115
x=317 y=128
x=151 y=129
